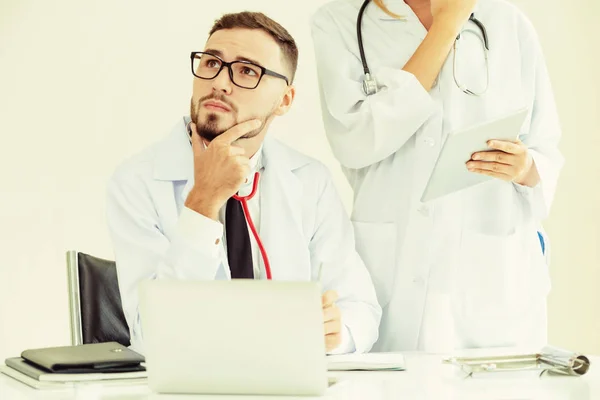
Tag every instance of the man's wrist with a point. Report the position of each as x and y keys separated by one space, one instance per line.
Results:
x=207 y=207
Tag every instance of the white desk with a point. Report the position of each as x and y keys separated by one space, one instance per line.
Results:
x=425 y=378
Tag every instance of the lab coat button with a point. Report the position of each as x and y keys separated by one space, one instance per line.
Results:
x=429 y=141
x=418 y=280
x=424 y=209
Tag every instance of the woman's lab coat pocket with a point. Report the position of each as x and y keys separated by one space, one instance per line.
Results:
x=376 y=244
x=494 y=276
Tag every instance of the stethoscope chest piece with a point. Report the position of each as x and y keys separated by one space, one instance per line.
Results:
x=369 y=85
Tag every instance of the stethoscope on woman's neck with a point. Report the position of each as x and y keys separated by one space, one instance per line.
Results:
x=370 y=85
x=244 y=201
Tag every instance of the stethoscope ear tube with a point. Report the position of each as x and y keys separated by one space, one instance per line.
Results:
x=369 y=82
x=361 y=48
x=483 y=31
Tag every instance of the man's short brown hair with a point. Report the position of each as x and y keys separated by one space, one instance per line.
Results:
x=256 y=20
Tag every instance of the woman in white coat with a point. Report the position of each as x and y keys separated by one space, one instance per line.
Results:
x=468 y=269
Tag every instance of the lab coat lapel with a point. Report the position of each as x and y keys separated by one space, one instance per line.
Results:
x=395 y=28
x=173 y=155
x=281 y=227
x=174 y=164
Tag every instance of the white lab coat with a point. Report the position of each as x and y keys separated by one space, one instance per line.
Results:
x=302 y=223
x=465 y=270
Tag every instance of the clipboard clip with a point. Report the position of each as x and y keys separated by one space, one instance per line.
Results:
x=550 y=360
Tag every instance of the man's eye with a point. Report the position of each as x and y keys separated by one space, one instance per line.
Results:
x=248 y=71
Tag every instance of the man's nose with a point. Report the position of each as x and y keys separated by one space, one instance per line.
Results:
x=222 y=82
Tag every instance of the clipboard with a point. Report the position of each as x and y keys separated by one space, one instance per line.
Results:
x=450 y=173
x=549 y=360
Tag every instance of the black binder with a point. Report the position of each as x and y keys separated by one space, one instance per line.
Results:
x=87 y=358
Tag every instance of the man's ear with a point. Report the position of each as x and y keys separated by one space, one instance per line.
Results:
x=286 y=101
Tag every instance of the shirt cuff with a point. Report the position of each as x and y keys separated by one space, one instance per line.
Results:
x=347 y=344
x=200 y=232
x=533 y=195
x=397 y=79
x=523 y=189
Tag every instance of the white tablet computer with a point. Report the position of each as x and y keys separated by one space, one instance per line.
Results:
x=450 y=172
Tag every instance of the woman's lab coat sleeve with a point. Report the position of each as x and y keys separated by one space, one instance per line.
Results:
x=143 y=252
x=333 y=246
x=544 y=130
x=363 y=130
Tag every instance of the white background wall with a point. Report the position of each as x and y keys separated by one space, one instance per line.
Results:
x=84 y=84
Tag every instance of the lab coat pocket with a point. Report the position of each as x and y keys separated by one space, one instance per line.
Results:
x=376 y=244
x=498 y=275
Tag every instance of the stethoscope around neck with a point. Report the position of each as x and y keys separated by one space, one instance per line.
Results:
x=244 y=202
x=369 y=83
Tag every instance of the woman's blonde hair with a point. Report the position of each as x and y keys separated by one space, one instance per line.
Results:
x=386 y=10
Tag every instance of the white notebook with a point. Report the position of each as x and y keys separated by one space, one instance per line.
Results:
x=63 y=385
x=366 y=362
x=18 y=364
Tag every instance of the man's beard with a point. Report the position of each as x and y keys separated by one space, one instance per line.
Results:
x=209 y=129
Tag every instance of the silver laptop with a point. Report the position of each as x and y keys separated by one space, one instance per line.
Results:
x=234 y=337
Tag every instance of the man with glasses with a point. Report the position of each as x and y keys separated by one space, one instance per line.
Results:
x=173 y=210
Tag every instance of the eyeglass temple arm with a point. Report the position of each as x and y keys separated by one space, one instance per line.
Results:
x=276 y=75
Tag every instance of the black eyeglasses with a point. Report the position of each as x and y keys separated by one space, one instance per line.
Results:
x=244 y=74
